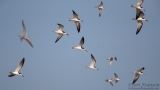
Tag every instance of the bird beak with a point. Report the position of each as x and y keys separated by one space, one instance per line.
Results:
x=82 y=20
x=147 y=20
x=86 y=50
x=68 y=34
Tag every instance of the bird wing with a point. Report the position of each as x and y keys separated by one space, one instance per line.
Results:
x=60 y=27
x=81 y=42
x=75 y=14
x=141 y=69
x=29 y=41
x=110 y=62
x=111 y=83
x=136 y=78
x=20 y=65
x=116 y=81
x=116 y=76
x=59 y=37
x=100 y=12
x=139 y=26
x=93 y=61
x=140 y=2
x=78 y=26
x=101 y=4
x=137 y=13
x=24 y=29
x=141 y=14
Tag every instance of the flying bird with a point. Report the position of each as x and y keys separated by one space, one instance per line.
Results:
x=111 y=60
x=79 y=47
x=116 y=78
x=60 y=32
x=110 y=81
x=24 y=35
x=100 y=7
x=93 y=62
x=137 y=74
x=139 y=21
x=138 y=6
x=76 y=20
x=16 y=72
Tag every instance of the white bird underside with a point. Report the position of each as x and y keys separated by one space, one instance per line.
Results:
x=110 y=81
x=100 y=7
x=111 y=60
x=76 y=20
x=60 y=32
x=137 y=74
x=116 y=78
x=24 y=35
x=93 y=62
x=79 y=47
x=16 y=72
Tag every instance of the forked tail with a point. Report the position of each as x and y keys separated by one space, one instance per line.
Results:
x=21 y=38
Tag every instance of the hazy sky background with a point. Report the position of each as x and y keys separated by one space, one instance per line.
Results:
x=56 y=66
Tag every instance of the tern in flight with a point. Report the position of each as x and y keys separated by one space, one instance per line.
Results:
x=60 y=32
x=16 y=72
x=24 y=35
x=139 y=19
x=79 y=47
x=138 y=6
x=100 y=7
x=76 y=20
x=116 y=78
x=111 y=60
x=110 y=81
x=93 y=62
x=137 y=74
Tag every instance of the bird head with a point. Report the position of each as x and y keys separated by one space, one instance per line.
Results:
x=21 y=74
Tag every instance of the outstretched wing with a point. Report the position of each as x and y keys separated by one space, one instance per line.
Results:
x=139 y=26
x=75 y=14
x=136 y=78
x=93 y=61
x=59 y=37
x=20 y=65
x=81 y=42
x=60 y=27
x=24 y=29
x=78 y=26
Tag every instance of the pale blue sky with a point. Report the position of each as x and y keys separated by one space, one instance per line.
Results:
x=56 y=66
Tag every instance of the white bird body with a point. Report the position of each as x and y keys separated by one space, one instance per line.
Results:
x=100 y=7
x=137 y=74
x=16 y=72
x=24 y=35
x=60 y=32
x=79 y=47
x=93 y=62
x=111 y=60
x=138 y=6
x=76 y=20
x=110 y=81
x=139 y=18
x=116 y=78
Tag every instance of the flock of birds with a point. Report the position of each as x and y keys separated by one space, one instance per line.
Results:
x=60 y=32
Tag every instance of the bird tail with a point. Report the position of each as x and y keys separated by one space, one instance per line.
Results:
x=20 y=37
x=133 y=18
x=132 y=6
x=72 y=47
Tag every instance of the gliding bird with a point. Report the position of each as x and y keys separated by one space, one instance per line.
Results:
x=60 y=32
x=76 y=20
x=24 y=36
x=16 y=72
